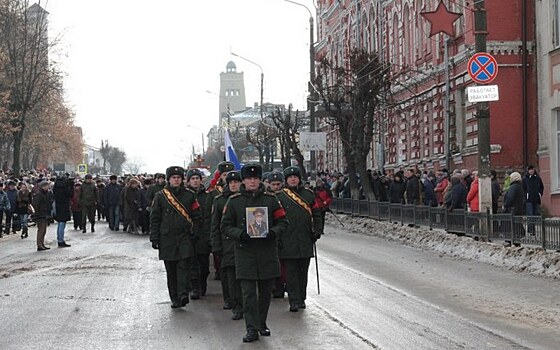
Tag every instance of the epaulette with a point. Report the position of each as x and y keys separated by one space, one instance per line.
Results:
x=235 y=195
x=218 y=196
x=311 y=191
x=190 y=190
x=270 y=194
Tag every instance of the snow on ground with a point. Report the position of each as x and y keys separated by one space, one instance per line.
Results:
x=525 y=259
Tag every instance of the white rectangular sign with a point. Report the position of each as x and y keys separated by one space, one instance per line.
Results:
x=313 y=141
x=483 y=93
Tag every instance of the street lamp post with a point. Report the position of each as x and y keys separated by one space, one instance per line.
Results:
x=201 y=132
x=227 y=108
x=310 y=99
x=262 y=79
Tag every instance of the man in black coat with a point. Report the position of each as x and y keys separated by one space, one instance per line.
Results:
x=63 y=190
x=111 y=196
x=42 y=202
x=412 y=188
x=533 y=186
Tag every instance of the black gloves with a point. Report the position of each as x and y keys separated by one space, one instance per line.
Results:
x=315 y=237
x=271 y=235
x=155 y=244
x=244 y=237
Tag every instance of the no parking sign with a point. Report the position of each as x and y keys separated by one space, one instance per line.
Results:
x=483 y=68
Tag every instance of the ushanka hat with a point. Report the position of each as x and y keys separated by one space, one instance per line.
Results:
x=175 y=170
x=292 y=170
x=275 y=176
x=194 y=172
x=251 y=170
x=233 y=175
x=225 y=167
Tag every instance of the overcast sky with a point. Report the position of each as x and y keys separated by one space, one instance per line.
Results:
x=137 y=71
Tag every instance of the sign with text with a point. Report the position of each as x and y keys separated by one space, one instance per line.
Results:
x=483 y=93
x=313 y=141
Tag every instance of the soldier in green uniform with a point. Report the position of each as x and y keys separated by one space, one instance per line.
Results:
x=223 y=169
x=224 y=246
x=200 y=268
x=256 y=259
x=174 y=218
x=275 y=184
x=296 y=244
x=89 y=197
x=158 y=185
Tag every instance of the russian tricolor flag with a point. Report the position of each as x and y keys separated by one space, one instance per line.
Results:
x=230 y=151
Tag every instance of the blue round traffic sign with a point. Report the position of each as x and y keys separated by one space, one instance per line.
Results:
x=482 y=68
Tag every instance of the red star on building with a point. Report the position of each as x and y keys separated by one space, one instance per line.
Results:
x=441 y=20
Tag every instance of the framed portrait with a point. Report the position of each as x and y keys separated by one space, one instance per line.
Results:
x=256 y=219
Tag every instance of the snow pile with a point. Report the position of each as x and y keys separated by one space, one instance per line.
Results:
x=531 y=260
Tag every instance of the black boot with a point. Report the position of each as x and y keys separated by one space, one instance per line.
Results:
x=195 y=294
x=92 y=227
x=251 y=336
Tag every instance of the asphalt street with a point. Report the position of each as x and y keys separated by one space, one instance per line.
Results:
x=108 y=291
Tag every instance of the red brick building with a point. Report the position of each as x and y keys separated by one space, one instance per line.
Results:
x=416 y=132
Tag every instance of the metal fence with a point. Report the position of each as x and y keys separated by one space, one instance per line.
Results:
x=529 y=230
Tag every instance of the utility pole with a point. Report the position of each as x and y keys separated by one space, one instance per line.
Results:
x=483 y=115
x=311 y=99
x=446 y=105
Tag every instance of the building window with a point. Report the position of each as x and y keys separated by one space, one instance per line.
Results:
x=556 y=23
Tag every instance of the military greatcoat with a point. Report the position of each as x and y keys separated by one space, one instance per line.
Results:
x=304 y=227
x=170 y=229
x=255 y=258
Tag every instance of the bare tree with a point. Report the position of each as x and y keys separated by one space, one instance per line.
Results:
x=116 y=160
x=352 y=97
x=134 y=166
x=288 y=127
x=29 y=75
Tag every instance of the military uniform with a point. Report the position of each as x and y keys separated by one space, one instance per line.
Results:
x=279 y=288
x=200 y=268
x=214 y=191
x=256 y=259
x=296 y=244
x=224 y=247
x=172 y=234
x=88 y=200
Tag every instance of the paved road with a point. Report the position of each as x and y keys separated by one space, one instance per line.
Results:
x=108 y=292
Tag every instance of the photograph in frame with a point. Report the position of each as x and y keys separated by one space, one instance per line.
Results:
x=257 y=221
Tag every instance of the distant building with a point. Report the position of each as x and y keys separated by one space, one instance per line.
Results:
x=232 y=93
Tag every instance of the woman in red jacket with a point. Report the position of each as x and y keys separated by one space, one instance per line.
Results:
x=472 y=196
x=323 y=197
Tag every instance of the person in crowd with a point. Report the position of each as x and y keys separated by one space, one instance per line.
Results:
x=225 y=248
x=472 y=195
x=256 y=259
x=323 y=197
x=430 y=198
x=457 y=194
x=412 y=188
x=155 y=188
x=337 y=186
x=467 y=179
x=111 y=196
x=295 y=246
x=144 y=214
x=88 y=202
x=101 y=210
x=276 y=182
x=441 y=185
x=174 y=217
x=495 y=190
x=24 y=207
x=534 y=188
x=75 y=206
x=215 y=188
x=62 y=191
x=514 y=202
x=4 y=207
x=507 y=182
x=200 y=267
x=397 y=189
x=42 y=202
x=11 y=219
x=131 y=201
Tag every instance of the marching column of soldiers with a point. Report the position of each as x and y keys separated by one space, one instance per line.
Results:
x=187 y=222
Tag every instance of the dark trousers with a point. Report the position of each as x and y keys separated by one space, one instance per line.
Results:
x=77 y=217
x=9 y=217
x=177 y=278
x=297 y=270
x=88 y=212
x=224 y=280
x=280 y=282
x=200 y=269
x=256 y=304
x=234 y=288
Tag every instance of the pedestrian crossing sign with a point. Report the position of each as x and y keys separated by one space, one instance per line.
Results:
x=82 y=169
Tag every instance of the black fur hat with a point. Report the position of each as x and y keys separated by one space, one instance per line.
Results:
x=251 y=170
x=225 y=167
x=275 y=176
x=233 y=175
x=175 y=170
x=194 y=172
x=292 y=170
